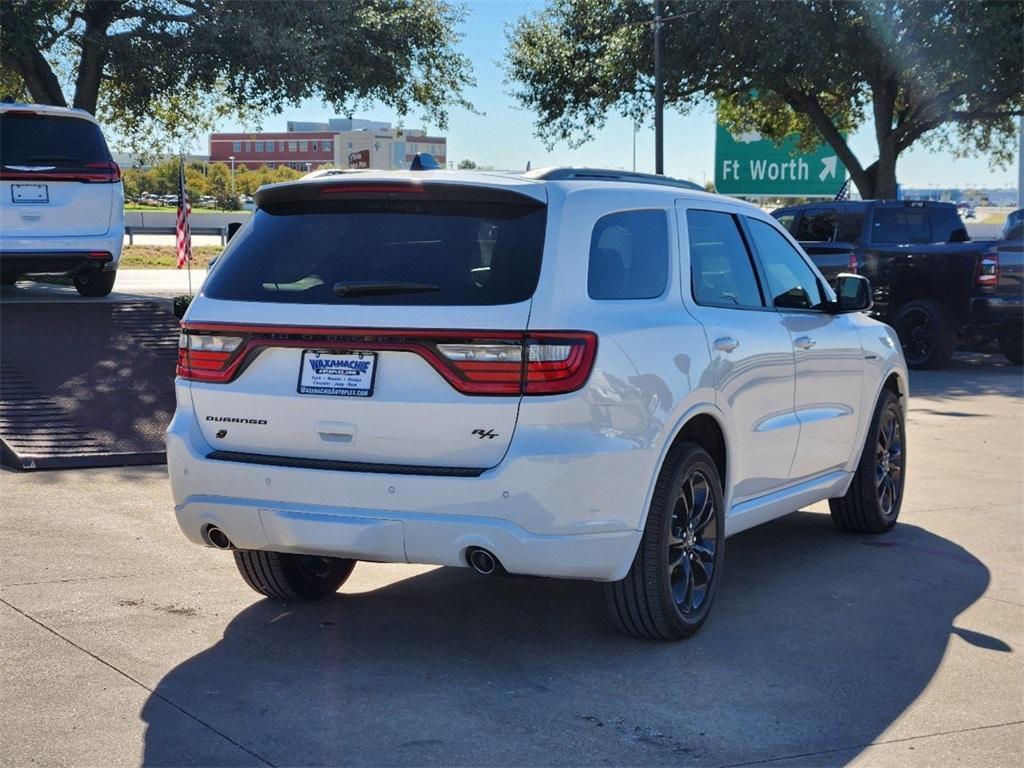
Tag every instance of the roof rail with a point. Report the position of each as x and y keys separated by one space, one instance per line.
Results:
x=604 y=174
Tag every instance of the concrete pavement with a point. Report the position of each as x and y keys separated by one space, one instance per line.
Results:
x=122 y=644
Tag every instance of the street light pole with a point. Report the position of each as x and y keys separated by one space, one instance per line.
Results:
x=232 y=159
x=659 y=94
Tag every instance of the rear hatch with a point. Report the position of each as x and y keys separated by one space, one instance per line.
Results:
x=377 y=323
x=56 y=176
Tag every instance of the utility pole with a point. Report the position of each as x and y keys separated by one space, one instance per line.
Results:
x=659 y=94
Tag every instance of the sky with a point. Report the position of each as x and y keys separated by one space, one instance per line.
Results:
x=502 y=134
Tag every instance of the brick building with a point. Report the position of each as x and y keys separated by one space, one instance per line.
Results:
x=341 y=142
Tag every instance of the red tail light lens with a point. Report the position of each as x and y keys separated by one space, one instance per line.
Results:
x=208 y=357
x=90 y=173
x=987 y=272
x=852 y=267
x=473 y=362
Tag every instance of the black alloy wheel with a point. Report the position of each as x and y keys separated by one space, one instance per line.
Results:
x=693 y=539
x=889 y=462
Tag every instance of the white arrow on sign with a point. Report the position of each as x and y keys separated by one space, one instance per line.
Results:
x=829 y=169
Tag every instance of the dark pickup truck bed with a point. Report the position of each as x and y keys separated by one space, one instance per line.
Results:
x=929 y=280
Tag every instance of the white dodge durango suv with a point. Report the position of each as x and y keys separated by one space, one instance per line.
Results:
x=61 y=198
x=563 y=373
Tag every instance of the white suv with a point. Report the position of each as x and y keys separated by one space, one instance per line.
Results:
x=61 y=198
x=561 y=373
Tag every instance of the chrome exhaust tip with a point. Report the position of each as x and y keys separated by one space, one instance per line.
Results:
x=482 y=561
x=218 y=538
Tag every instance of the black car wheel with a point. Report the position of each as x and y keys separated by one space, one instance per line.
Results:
x=94 y=283
x=872 y=502
x=671 y=585
x=292 y=577
x=926 y=332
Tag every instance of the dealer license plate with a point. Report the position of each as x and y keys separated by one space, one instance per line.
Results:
x=347 y=374
x=30 y=193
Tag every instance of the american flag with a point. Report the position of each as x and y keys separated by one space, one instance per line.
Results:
x=183 y=233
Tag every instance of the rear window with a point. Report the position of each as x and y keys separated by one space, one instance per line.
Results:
x=390 y=252
x=50 y=140
x=938 y=224
x=828 y=225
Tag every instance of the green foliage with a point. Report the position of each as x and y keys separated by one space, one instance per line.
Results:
x=466 y=165
x=218 y=185
x=945 y=72
x=164 y=71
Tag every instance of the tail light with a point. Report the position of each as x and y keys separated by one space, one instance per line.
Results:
x=986 y=274
x=105 y=172
x=852 y=266
x=473 y=362
x=208 y=357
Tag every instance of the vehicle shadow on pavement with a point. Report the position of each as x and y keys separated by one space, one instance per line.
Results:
x=818 y=641
x=969 y=374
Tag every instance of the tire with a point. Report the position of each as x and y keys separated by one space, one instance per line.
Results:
x=659 y=597
x=872 y=503
x=926 y=331
x=292 y=577
x=94 y=283
x=1011 y=344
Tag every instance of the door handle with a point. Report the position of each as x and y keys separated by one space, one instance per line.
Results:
x=726 y=344
x=803 y=342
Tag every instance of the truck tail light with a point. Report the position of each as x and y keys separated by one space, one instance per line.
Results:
x=986 y=274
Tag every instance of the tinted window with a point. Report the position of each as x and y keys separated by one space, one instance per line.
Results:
x=721 y=271
x=48 y=140
x=785 y=219
x=472 y=253
x=792 y=284
x=629 y=256
x=939 y=224
x=829 y=225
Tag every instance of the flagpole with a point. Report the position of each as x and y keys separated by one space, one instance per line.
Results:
x=183 y=202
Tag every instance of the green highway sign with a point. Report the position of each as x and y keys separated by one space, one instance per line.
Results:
x=746 y=164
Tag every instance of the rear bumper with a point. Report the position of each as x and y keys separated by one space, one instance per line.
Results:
x=539 y=515
x=53 y=262
x=997 y=309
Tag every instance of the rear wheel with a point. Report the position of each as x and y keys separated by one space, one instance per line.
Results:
x=926 y=332
x=292 y=577
x=668 y=591
x=1011 y=344
x=94 y=283
x=872 y=503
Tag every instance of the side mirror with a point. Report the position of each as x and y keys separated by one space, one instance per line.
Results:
x=853 y=292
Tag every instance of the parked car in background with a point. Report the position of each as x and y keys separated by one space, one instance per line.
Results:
x=929 y=279
x=568 y=372
x=1011 y=278
x=61 y=198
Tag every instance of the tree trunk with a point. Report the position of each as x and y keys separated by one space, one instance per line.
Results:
x=885 y=173
x=98 y=17
x=42 y=84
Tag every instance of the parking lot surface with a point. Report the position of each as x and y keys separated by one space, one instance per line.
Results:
x=123 y=644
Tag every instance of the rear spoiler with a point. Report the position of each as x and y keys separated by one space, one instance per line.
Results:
x=358 y=187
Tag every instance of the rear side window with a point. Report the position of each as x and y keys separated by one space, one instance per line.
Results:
x=917 y=224
x=785 y=219
x=629 y=256
x=391 y=252
x=721 y=272
x=49 y=140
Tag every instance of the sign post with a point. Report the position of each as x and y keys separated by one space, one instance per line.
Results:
x=748 y=165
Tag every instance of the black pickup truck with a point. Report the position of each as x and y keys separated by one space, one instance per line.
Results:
x=929 y=280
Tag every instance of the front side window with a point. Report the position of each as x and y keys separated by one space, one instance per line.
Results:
x=792 y=284
x=721 y=272
x=817 y=226
x=629 y=256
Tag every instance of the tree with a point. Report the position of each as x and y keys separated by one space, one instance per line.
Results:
x=466 y=165
x=947 y=73
x=174 y=66
x=218 y=184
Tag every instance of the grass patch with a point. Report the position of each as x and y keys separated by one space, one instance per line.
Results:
x=174 y=209
x=164 y=256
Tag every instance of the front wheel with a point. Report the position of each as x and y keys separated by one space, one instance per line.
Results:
x=292 y=577
x=872 y=502
x=94 y=283
x=668 y=591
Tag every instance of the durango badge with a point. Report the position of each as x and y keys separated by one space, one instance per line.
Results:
x=234 y=420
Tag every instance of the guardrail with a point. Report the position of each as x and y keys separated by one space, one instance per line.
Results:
x=132 y=230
